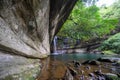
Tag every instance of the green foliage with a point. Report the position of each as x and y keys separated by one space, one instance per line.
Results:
x=113 y=44
x=113 y=78
x=89 y=2
x=85 y=23
x=112 y=11
x=108 y=52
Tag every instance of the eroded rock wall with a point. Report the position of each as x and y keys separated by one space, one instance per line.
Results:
x=27 y=28
x=59 y=12
x=24 y=27
x=24 y=34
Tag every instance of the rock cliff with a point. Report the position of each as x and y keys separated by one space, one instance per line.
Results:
x=27 y=28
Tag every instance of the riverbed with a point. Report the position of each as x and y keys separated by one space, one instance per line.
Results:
x=76 y=66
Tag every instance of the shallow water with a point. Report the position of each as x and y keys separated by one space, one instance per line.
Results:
x=55 y=66
x=76 y=56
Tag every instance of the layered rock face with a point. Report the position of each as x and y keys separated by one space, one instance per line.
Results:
x=27 y=28
x=24 y=27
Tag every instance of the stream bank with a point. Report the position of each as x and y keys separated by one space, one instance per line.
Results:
x=80 y=67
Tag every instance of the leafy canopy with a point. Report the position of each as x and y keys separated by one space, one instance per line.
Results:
x=112 y=44
x=85 y=23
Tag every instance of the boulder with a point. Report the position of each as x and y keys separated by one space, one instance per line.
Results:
x=76 y=64
x=27 y=28
x=86 y=62
x=105 y=60
x=72 y=71
x=91 y=62
x=91 y=75
x=110 y=76
x=68 y=76
x=98 y=72
x=101 y=78
x=94 y=62
x=14 y=67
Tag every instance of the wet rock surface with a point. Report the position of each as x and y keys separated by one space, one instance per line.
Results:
x=82 y=71
x=105 y=60
x=91 y=62
x=15 y=67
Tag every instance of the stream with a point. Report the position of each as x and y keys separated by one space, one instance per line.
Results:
x=79 y=66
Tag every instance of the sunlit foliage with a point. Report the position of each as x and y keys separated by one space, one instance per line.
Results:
x=112 y=44
x=86 y=22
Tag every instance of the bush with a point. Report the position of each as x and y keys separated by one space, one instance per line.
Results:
x=112 y=44
x=108 y=52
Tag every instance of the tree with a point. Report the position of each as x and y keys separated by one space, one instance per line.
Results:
x=85 y=23
x=112 y=11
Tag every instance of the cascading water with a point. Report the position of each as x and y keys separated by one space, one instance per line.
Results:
x=55 y=45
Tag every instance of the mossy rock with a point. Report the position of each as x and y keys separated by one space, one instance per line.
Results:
x=9 y=78
x=108 y=53
x=112 y=78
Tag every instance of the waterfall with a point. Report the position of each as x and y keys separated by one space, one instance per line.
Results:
x=55 y=45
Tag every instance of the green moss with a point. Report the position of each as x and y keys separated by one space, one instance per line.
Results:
x=113 y=78
x=29 y=74
x=108 y=52
x=8 y=78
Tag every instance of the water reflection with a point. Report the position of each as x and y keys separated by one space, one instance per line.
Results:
x=52 y=69
x=76 y=56
x=56 y=66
